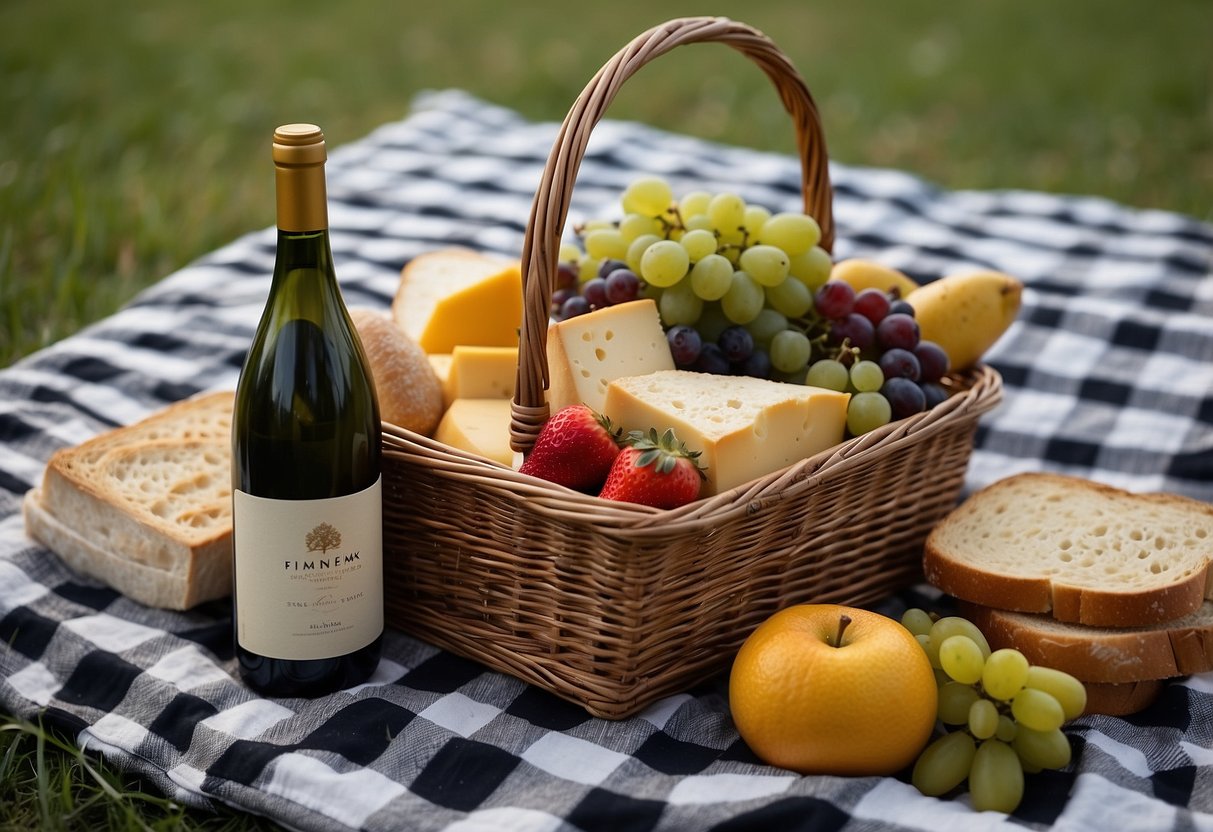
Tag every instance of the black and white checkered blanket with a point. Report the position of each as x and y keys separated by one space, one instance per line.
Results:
x=1109 y=375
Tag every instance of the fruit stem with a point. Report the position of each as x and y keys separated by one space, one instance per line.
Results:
x=843 y=621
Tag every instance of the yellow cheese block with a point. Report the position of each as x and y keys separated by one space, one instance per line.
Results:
x=458 y=296
x=481 y=426
x=441 y=362
x=744 y=427
x=481 y=373
x=588 y=352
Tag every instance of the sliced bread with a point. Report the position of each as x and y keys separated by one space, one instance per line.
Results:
x=146 y=508
x=1103 y=654
x=1124 y=669
x=1077 y=550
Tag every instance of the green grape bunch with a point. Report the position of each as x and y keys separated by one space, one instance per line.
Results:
x=744 y=291
x=1001 y=715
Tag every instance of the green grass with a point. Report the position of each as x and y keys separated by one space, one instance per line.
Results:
x=135 y=134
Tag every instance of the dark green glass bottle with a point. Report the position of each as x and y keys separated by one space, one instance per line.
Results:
x=307 y=525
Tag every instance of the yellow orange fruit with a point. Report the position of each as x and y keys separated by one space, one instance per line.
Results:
x=802 y=701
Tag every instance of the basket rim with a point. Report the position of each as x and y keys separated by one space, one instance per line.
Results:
x=982 y=391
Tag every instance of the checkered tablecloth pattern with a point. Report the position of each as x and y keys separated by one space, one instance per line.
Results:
x=1108 y=373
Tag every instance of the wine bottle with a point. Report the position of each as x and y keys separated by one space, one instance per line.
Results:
x=306 y=487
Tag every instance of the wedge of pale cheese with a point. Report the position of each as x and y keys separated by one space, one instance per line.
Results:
x=459 y=296
x=480 y=426
x=588 y=352
x=481 y=373
x=743 y=427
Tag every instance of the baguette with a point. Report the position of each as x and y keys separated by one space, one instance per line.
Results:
x=145 y=508
x=1077 y=550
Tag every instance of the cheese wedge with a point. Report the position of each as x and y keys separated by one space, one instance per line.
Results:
x=480 y=426
x=588 y=352
x=458 y=296
x=481 y=373
x=743 y=427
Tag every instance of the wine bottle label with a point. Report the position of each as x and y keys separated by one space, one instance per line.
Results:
x=309 y=574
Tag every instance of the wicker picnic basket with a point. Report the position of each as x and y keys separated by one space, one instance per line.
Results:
x=613 y=605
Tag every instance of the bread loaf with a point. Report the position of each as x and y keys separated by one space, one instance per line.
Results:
x=146 y=508
x=1079 y=551
x=408 y=389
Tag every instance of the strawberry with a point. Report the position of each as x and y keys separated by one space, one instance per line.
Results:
x=654 y=471
x=575 y=448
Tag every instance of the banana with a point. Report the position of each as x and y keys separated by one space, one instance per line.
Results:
x=966 y=313
x=866 y=274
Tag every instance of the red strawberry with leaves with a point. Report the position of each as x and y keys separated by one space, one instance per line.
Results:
x=575 y=448
x=654 y=471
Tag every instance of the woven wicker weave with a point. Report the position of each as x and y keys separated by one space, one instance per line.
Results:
x=613 y=605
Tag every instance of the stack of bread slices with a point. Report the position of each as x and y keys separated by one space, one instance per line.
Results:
x=1110 y=586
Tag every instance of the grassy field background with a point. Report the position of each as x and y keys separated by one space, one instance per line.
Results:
x=135 y=140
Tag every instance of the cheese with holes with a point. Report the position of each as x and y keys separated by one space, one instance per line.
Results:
x=481 y=373
x=458 y=296
x=481 y=426
x=744 y=427
x=588 y=352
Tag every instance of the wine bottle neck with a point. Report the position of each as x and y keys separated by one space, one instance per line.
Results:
x=302 y=198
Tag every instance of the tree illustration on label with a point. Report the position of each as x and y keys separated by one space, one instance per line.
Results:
x=322 y=538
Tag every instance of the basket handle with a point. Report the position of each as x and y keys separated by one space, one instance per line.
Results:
x=550 y=209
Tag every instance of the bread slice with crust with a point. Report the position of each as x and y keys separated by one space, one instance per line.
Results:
x=1076 y=550
x=1123 y=668
x=146 y=508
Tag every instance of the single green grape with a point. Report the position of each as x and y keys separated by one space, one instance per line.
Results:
x=755 y=217
x=694 y=203
x=1005 y=674
x=634 y=225
x=954 y=625
x=699 y=243
x=712 y=276
x=744 y=299
x=1045 y=749
x=650 y=196
x=996 y=778
x=569 y=253
x=932 y=650
x=664 y=263
x=727 y=213
x=791 y=298
x=955 y=700
x=766 y=326
x=944 y=764
x=790 y=351
x=1063 y=687
x=866 y=376
x=587 y=268
x=604 y=243
x=680 y=305
x=766 y=264
x=1035 y=709
x=828 y=373
x=794 y=233
x=867 y=411
x=1007 y=729
x=812 y=268
x=917 y=621
x=983 y=719
x=697 y=222
x=637 y=248
x=961 y=659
